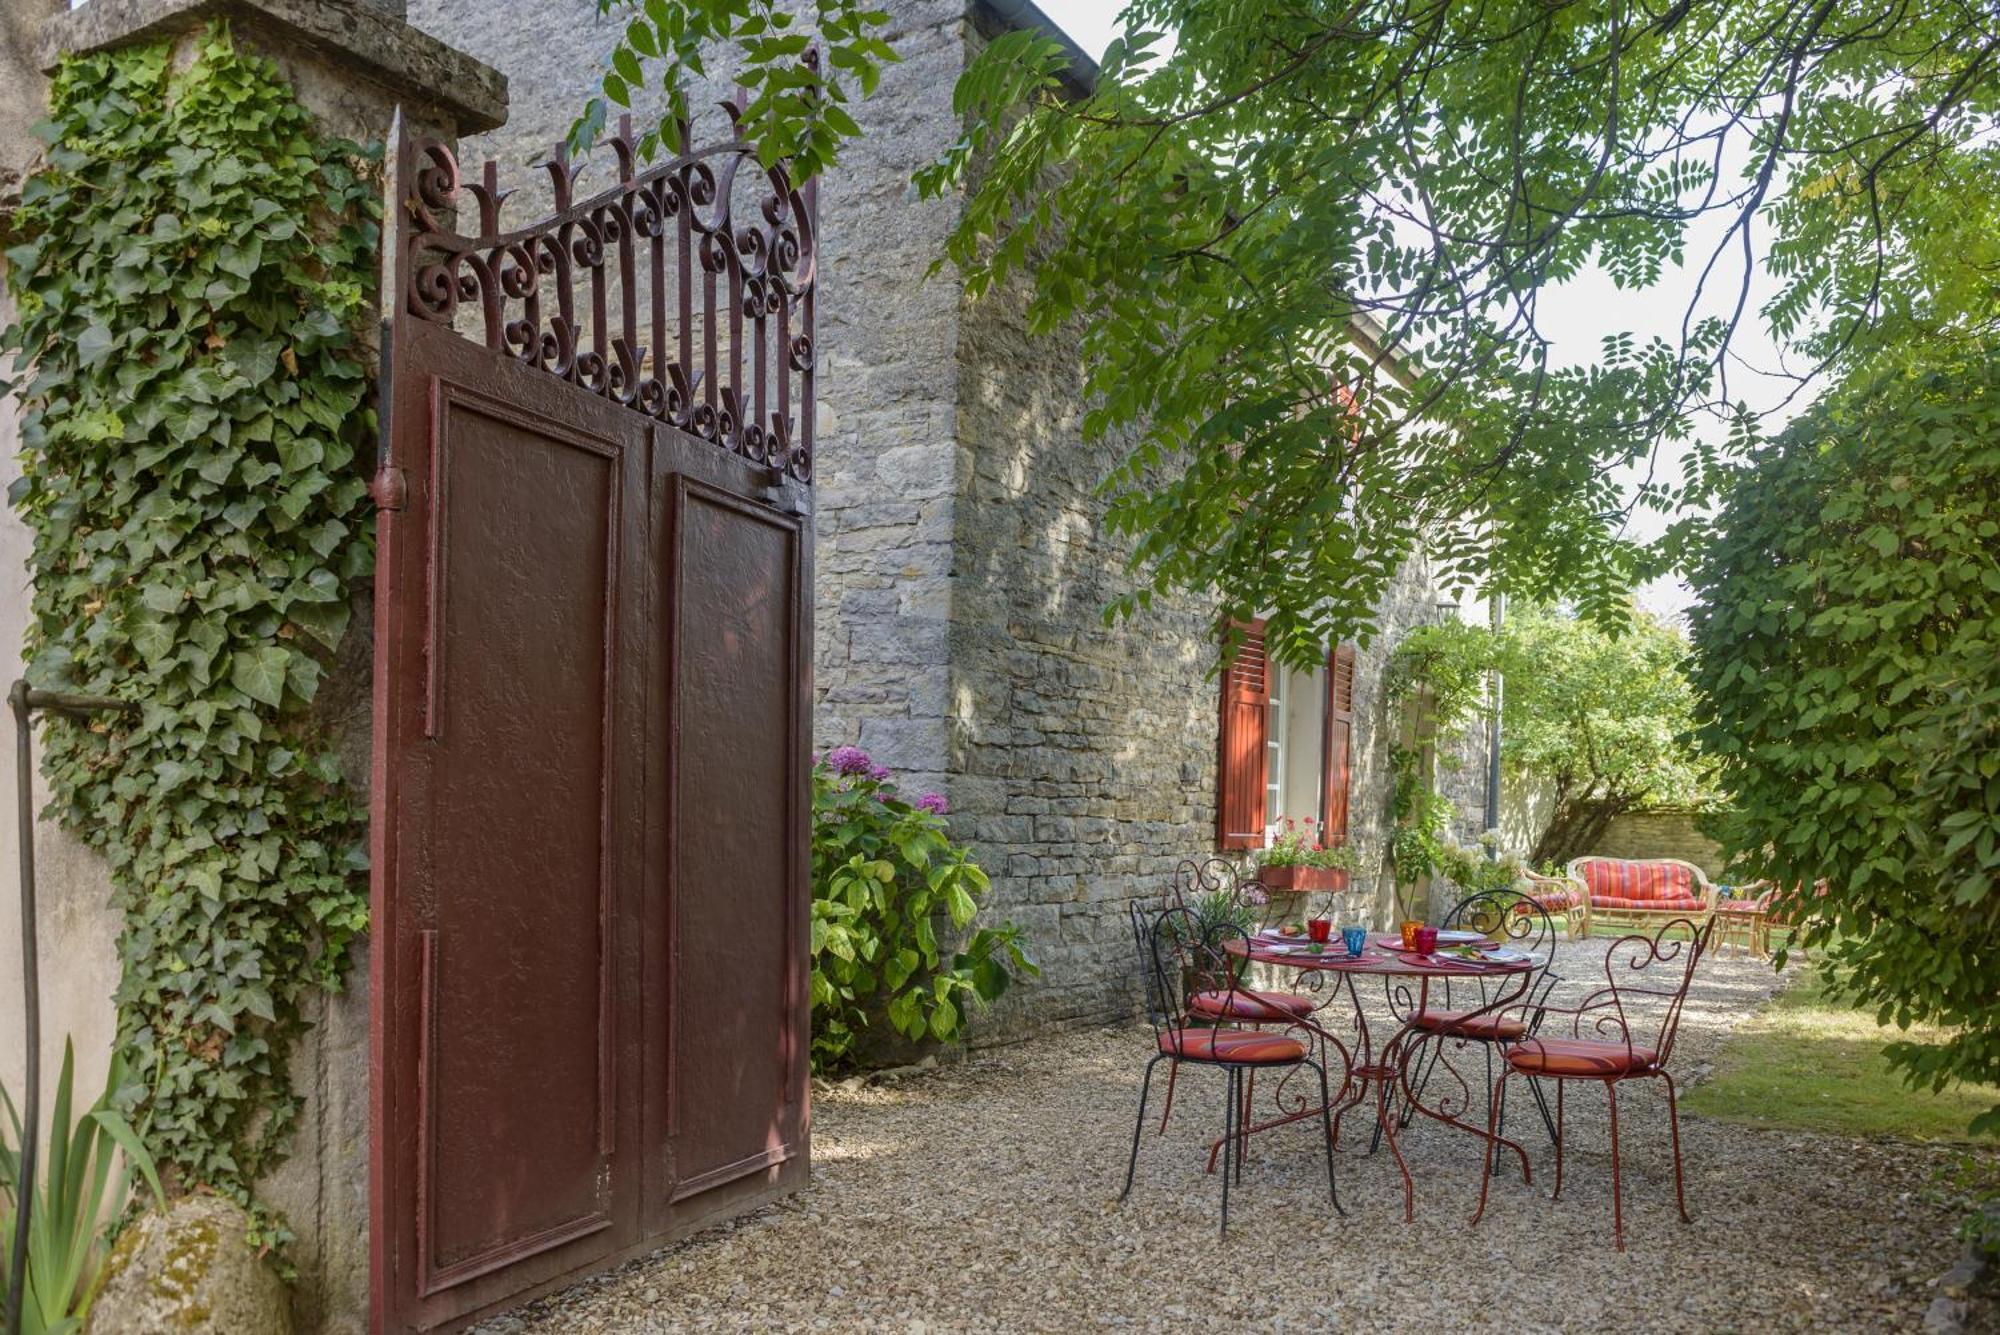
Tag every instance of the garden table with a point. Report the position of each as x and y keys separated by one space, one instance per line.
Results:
x=1387 y=1070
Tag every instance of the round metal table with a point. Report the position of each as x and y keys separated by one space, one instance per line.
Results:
x=1390 y=1069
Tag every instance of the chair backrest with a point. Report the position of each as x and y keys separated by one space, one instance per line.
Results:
x=1516 y=920
x=1670 y=954
x=1668 y=882
x=1180 y=955
x=1194 y=881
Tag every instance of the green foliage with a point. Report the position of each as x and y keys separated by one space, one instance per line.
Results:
x=196 y=262
x=1601 y=715
x=797 y=109
x=76 y=1205
x=1847 y=658
x=885 y=873
x=1219 y=915
x=1482 y=866
x=1213 y=221
x=1604 y=718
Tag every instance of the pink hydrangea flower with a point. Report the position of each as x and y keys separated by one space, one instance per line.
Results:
x=933 y=803
x=849 y=760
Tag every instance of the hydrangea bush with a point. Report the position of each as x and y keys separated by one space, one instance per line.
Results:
x=887 y=879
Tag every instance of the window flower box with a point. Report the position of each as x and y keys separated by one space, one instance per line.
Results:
x=1300 y=880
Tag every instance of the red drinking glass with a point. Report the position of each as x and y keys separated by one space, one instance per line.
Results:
x=1319 y=929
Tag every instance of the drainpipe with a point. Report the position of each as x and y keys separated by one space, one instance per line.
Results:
x=1499 y=613
x=25 y=700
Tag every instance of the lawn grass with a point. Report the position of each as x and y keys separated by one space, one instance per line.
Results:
x=1808 y=1063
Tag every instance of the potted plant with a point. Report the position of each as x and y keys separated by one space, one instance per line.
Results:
x=1297 y=861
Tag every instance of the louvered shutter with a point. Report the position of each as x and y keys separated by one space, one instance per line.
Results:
x=1339 y=749
x=1240 y=776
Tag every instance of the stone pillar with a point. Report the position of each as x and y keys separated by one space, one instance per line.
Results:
x=351 y=63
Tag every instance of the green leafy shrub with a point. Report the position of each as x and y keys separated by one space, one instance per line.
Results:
x=885 y=873
x=78 y=1202
x=1847 y=658
x=196 y=262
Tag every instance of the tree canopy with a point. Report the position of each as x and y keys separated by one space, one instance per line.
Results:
x=1600 y=722
x=1848 y=667
x=1216 y=217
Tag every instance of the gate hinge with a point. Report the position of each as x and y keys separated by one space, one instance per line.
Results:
x=390 y=489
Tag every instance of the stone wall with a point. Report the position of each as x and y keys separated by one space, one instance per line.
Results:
x=886 y=454
x=1667 y=833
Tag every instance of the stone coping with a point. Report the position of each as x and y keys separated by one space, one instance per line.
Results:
x=359 y=36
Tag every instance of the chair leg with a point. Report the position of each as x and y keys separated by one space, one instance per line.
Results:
x=1139 y=1123
x=1243 y=1120
x=1617 y=1202
x=1674 y=1125
x=1542 y=1105
x=1173 y=1072
x=1558 y=1194
x=1228 y=1139
x=1326 y=1126
x=1486 y=1169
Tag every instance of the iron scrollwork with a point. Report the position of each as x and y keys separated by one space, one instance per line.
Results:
x=653 y=293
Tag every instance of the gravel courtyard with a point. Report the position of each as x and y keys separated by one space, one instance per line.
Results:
x=983 y=1196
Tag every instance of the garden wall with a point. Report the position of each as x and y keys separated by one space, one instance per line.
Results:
x=1668 y=832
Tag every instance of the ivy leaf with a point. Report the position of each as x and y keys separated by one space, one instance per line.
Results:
x=260 y=673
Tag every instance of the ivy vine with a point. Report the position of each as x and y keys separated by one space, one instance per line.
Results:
x=194 y=266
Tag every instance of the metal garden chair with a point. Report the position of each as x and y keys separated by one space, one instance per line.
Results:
x=1614 y=1053
x=1182 y=960
x=1492 y=1012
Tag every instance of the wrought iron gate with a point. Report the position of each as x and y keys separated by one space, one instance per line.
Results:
x=592 y=716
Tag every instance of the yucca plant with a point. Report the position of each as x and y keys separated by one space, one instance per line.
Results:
x=80 y=1198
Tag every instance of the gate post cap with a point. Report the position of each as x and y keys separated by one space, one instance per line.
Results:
x=365 y=39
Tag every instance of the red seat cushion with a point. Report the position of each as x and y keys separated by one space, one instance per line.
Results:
x=1248 y=1005
x=1637 y=902
x=1553 y=901
x=1491 y=1027
x=1579 y=1057
x=1244 y=1046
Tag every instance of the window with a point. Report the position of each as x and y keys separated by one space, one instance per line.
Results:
x=1285 y=739
x=1294 y=729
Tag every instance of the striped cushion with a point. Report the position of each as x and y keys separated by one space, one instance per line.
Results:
x=1247 y=1005
x=1457 y=1023
x=1675 y=904
x=1758 y=905
x=1578 y=1056
x=1552 y=901
x=1248 y=1047
x=1619 y=883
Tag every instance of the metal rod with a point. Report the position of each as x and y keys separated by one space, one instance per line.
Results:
x=31 y=985
x=1493 y=730
x=24 y=700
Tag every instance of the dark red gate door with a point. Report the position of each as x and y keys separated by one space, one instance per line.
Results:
x=592 y=720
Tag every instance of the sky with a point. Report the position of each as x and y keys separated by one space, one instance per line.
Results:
x=1578 y=315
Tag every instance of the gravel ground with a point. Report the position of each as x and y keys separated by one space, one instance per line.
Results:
x=983 y=1196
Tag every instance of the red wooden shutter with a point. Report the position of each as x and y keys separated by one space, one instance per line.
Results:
x=1240 y=777
x=1339 y=744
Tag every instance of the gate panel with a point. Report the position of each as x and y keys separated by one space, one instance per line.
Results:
x=590 y=822
x=736 y=1051
x=518 y=1131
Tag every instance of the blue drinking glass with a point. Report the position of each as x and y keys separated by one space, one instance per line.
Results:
x=1354 y=938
